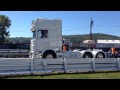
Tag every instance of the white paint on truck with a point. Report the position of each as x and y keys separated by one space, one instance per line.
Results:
x=53 y=40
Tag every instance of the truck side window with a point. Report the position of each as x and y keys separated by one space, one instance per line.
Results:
x=43 y=34
x=39 y=34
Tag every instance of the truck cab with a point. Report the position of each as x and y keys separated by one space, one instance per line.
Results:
x=47 y=37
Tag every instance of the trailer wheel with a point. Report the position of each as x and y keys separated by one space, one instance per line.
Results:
x=87 y=55
x=100 y=55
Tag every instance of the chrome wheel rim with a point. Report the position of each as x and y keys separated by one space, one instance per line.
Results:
x=49 y=56
x=100 y=55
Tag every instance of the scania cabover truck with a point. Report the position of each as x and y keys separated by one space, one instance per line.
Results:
x=47 y=41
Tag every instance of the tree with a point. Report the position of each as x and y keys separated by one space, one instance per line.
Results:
x=5 y=23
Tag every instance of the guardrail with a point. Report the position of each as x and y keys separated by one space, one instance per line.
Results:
x=14 y=53
x=10 y=66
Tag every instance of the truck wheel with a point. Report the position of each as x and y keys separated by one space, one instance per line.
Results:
x=100 y=55
x=87 y=55
x=49 y=55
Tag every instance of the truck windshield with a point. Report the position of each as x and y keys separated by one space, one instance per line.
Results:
x=34 y=34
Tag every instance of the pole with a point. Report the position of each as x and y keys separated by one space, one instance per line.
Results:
x=91 y=24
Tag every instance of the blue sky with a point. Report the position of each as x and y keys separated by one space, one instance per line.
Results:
x=73 y=22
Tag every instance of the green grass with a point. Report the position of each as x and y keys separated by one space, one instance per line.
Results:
x=105 y=75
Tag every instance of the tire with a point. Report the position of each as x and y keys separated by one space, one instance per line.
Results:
x=87 y=55
x=100 y=55
x=49 y=55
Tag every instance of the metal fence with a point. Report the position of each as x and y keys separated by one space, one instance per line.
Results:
x=15 y=66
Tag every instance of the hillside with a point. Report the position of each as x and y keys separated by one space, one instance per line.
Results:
x=73 y=38
x=81 y=38
x=19 y=39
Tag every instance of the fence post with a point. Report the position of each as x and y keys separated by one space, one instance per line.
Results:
x=44 y=65
x=65 y=65
x=32 y=59
x=118 y=64
x=93 y=64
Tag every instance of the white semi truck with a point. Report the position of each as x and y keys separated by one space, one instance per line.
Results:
x=47 y=41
